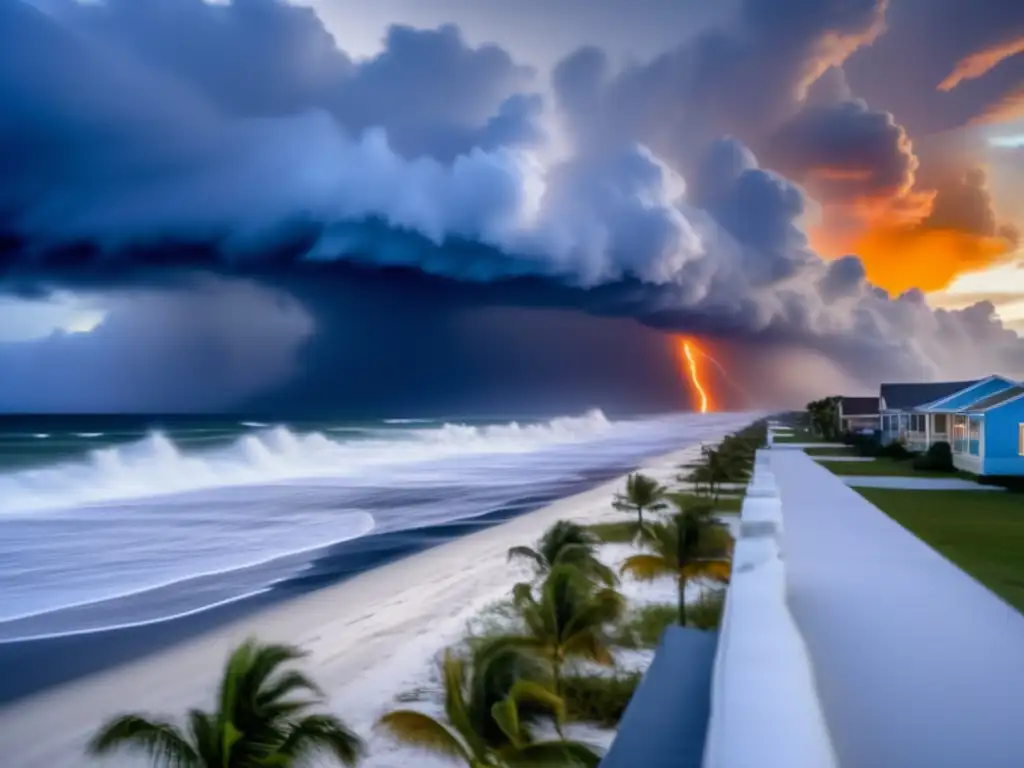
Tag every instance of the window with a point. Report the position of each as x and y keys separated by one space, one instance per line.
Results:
x=974 y=436
x=960 y=434
x=940 y=423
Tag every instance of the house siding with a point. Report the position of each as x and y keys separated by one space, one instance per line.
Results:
x=1002 y=439
x=965 y=398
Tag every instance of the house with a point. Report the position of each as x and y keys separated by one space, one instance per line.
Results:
x=858 y=413
x=985 y=427
x=898 y=404
x=938 y=414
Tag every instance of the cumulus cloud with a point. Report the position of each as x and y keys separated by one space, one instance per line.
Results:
x=847 y=153
x=128 y=156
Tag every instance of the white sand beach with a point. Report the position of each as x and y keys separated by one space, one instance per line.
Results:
x=370 y=638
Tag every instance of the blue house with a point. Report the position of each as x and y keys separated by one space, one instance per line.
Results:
x=935 y=421
x=899 y=404
x=988 y=434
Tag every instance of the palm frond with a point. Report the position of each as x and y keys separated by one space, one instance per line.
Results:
x=265 y=660
x=553 y=754
x=713 y=570
x=506 y=714
x=532 y=692
x=527 y=553
x=647 y=567
x=161 y=741
x=589 y=644
x=288 y=683
x=455 y=707
x=420 y=731
x=322 y=734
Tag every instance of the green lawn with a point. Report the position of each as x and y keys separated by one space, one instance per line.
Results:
x=844 y=451
x=980 y=531
x=800 y=435
x=883 y=466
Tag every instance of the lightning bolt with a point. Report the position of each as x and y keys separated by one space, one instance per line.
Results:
x=688 y=347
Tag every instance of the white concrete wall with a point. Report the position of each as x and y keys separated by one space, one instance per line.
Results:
x=765 y=710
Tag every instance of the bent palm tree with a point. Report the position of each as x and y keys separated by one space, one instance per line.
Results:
x=567 y=619
x=488 y=716
x=690 y=546
x=642 y=494
x=257 y=722
x=569 y=543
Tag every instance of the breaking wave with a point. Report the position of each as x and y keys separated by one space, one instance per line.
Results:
x=156 y=465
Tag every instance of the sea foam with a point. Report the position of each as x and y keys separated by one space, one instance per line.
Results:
x=157 y=466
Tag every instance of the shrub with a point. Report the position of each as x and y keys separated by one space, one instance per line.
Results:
x=644 y=626
x=938 y=458
x=706 y=613
x=866 y=445
x=599 y=699
x=614 y=533
x=894 y=450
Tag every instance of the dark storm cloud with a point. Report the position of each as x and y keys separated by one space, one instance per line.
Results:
x=846 y=152
x=205 y=345
x=965 y=203
x=265 y=58
x=926 y=44
x=744 y=79
x=127 y=157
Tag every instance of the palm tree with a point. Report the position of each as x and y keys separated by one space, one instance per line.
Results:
x=642 y=494
x=824 y=416
x=487 y=717
x=567 y=619
x=258 y=722
x=570 y=543
x=692 y=545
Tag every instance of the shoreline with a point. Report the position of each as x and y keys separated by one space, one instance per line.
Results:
x=370 y=637
x=64 y=657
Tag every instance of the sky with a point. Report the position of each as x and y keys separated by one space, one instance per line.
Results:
x=402 y=206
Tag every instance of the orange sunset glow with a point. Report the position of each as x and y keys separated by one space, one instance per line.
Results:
x=688 y=351
x=900 y=258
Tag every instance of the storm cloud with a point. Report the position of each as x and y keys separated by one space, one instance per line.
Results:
x=236 y=139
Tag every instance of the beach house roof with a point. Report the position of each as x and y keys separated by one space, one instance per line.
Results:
x=993 y=401
x=904 y=397
x=859 y=406
x=980 y=390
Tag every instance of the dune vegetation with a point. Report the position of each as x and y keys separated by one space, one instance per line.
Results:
x=549 y=657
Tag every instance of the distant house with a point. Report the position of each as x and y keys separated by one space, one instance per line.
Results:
x=858 y=413
x=898 y=404
x=984 y=425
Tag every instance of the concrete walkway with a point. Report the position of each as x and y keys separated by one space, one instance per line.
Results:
x=917 y=664
x=800 y=446
x=819 y=457
x=916 y=483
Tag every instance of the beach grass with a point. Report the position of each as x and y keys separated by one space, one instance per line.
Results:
x=706 y=613
x=618 y=532
x=731 y=503
x=643 y=626
x=624 y=531
x=599 y=699
x=982 y=532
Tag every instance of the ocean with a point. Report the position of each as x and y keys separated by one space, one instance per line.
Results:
x=125 y=527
